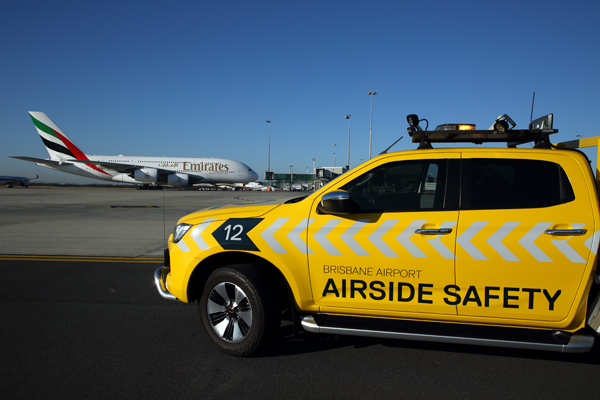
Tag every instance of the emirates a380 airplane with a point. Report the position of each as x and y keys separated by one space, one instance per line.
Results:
x=151 y=172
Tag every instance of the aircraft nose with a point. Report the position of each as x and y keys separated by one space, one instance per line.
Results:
x=253 y=176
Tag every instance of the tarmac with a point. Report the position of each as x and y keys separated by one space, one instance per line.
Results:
x=103 y=222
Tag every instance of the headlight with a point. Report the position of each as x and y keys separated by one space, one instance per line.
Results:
x=179 y=231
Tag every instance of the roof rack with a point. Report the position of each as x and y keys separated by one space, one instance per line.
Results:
x=538 y=132
x=512 y=137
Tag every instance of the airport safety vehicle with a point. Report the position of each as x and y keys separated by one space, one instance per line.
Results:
x=491 y=246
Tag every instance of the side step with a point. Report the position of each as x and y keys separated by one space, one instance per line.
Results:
x=517 y=338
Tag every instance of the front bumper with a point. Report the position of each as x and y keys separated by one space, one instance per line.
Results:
x=160 y=276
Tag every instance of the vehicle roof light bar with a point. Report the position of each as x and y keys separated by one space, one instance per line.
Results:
x=538 y=132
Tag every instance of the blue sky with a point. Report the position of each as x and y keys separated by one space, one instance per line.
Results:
x=199 y=79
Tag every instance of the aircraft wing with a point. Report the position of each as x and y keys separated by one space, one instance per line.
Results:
x=122 y=168
x=119 y=167
x=54 y=163
x=130 y=168
x=44 y=161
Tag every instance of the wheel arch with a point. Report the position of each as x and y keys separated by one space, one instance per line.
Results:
x=203 y=270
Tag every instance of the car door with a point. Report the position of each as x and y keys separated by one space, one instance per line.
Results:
x=524 y=237
x=394 y=252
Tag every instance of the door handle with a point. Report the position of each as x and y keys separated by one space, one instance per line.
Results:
x=566 y=232
x=440 y=231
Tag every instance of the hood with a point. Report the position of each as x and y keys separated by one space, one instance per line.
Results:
x=236 y=210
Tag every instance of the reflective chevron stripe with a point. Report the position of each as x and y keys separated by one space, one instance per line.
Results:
x=376 y=238
x=440 y=247
x=348 y=237
x=527 y=241
x=320 y=237
x=592 y=242
x=196 y=237
x=464 y=240
x=566 y=249
x=268 y=233
x=196 y=234
x=391 y=247
x=404 y=239
x=295 y=238
x=495 y=241
x=182 y=246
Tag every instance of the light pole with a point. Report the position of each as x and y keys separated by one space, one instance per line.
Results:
x=348 y=162
x=291 y=175
x=334 y=161
x=371 y=131
x=313 y=165
x=269 y=155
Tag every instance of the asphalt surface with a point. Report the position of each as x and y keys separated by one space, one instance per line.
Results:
x=89 y=330
x=81 y=328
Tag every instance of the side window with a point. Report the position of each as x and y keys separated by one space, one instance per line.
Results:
x=514 y=183
x=400 y=186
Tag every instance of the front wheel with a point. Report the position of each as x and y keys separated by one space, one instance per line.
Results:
x=238 y=309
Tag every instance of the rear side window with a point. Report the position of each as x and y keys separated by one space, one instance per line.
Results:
x=513 y=183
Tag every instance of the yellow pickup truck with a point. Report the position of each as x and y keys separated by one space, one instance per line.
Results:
x=484 y=246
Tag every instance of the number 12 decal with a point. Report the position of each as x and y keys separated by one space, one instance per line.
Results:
x=236 y=235
x=233 y=234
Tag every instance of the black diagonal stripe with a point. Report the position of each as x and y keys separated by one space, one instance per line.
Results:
x=58 y=148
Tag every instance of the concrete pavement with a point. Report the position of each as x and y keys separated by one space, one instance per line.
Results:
x=102 y=222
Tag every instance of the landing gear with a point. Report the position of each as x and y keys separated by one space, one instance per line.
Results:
x=149 y=187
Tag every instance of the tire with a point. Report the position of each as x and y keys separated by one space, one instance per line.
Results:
x=239 y=309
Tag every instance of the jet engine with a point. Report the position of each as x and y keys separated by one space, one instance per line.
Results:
x=149 y=175
x=178 y=180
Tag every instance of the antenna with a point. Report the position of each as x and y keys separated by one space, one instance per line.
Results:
x=385 y=151
x=531 y=117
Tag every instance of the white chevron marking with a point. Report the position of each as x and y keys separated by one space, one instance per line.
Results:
x=404 y=239
x=348 y=237
x=496 y=241
x=320 y=237
x=196 y=233
x=592 y=242
x=566 y=249
x=527 y=241
x=182 y=246
x=294 y=236
x=464 y=240
x=376 y=236
x=440 y=247
x=267 y=235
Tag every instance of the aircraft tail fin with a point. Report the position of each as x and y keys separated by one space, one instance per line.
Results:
x=59 y=146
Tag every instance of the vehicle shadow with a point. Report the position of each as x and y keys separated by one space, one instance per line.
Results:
x=306 y=342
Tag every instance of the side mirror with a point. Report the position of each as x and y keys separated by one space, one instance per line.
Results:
x=336 y=203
